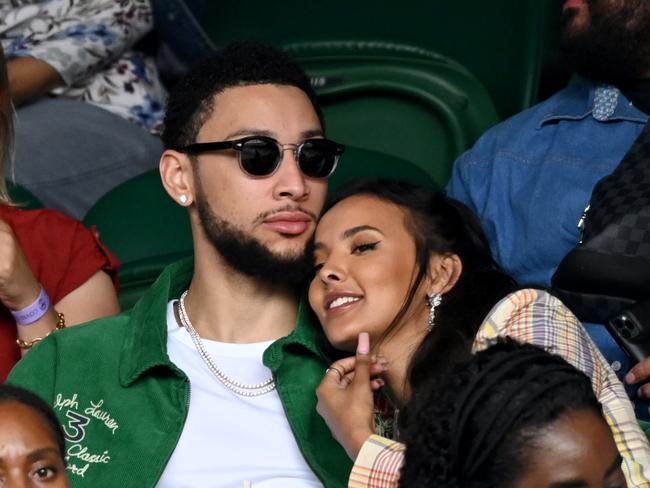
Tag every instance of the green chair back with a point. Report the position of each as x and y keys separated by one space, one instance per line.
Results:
x=23 y=197
x=144 y=228
x=500 y=41
x=400 y=100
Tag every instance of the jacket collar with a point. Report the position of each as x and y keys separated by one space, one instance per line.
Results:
x=586 y=98
x=307 y=335
x=145 y=343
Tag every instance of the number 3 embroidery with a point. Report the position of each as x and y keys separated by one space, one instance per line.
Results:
x=76 y=425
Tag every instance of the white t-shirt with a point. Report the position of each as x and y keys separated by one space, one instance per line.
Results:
x=229 y=440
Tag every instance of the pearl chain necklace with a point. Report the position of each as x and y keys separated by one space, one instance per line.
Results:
x=242 y=389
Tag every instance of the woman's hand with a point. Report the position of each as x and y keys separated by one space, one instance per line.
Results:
x=18 y=285
x=345 y=398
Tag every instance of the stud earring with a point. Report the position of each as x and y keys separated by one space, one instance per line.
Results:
x=434 y=300
x=183 y=199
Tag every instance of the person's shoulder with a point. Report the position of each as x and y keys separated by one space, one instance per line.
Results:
x=73 y=354
x=35 y=220
x=523 y=299
x=571 y=101
x=82 y=342
x=96 y=326
x=527 y=315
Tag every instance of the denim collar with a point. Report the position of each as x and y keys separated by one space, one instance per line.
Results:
x=144 y=349
x=602 y=102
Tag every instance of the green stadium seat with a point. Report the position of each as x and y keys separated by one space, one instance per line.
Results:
x=502 y=42
x=401 y=100
x=144 y=228
x=23 y=197
x=147 y=230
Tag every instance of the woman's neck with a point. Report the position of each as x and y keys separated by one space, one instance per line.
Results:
x=398 y=351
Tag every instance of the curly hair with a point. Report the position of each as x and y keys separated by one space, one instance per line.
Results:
x=191 y=102
x=476 y=427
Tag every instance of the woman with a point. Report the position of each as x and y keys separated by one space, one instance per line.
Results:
x=32 y=448
x=414 y=272
x=53 y=271
x=512 y=416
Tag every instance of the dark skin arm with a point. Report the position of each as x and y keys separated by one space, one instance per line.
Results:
x=30 y=78
x=639 y=374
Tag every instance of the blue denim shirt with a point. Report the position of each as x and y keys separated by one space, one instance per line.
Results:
x=530 y=178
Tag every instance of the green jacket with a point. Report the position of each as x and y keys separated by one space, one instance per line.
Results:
x=123 y=404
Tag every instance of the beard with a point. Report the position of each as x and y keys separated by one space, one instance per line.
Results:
x=247 y=255
x=614 y=46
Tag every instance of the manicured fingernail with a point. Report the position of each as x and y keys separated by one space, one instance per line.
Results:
x=629 y=378
x=364 y=343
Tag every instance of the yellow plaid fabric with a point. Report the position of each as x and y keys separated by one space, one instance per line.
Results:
x=535 y=317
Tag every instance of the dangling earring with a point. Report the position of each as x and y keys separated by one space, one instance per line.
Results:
x=434 y=300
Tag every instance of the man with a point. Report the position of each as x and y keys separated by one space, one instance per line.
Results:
x=246 y=155
x=531 y=177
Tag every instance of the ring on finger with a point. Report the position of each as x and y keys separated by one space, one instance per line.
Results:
x=337 y=370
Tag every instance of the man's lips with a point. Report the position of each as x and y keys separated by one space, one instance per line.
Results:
x=291 y=223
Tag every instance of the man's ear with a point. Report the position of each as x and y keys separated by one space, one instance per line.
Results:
x=176 y=173
x=443 y=273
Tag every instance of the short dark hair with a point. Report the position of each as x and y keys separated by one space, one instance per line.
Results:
x=10 y=393
x=476 y=426
x=440 y=224
x=191 y=101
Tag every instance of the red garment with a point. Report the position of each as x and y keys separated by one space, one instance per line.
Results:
x=63 y=255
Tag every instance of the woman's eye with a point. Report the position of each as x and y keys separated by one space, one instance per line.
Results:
x=317 y=267
x=361 y=248
x=44 y=473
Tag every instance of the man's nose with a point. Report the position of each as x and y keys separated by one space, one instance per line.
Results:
x=290 y=181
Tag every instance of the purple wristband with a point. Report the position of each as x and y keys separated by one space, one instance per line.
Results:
x=33 y=312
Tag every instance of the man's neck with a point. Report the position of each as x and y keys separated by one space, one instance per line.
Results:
x=225 y=305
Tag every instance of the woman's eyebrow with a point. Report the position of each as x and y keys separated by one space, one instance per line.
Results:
x=39 y=453
x=346 y=234
x=569 y=484
x=580 y=483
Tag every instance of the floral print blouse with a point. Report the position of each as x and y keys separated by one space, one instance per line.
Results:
x=89 y=42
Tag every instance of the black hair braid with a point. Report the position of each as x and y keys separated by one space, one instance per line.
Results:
x=476 y=427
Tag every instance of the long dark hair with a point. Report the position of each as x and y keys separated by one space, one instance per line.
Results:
x=475 y=427
x=442 y=225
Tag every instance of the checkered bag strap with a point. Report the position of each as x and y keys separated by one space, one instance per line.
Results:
x=610 y=269
x=618 y=219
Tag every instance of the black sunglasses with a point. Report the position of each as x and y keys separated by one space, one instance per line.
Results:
x=261 y=156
